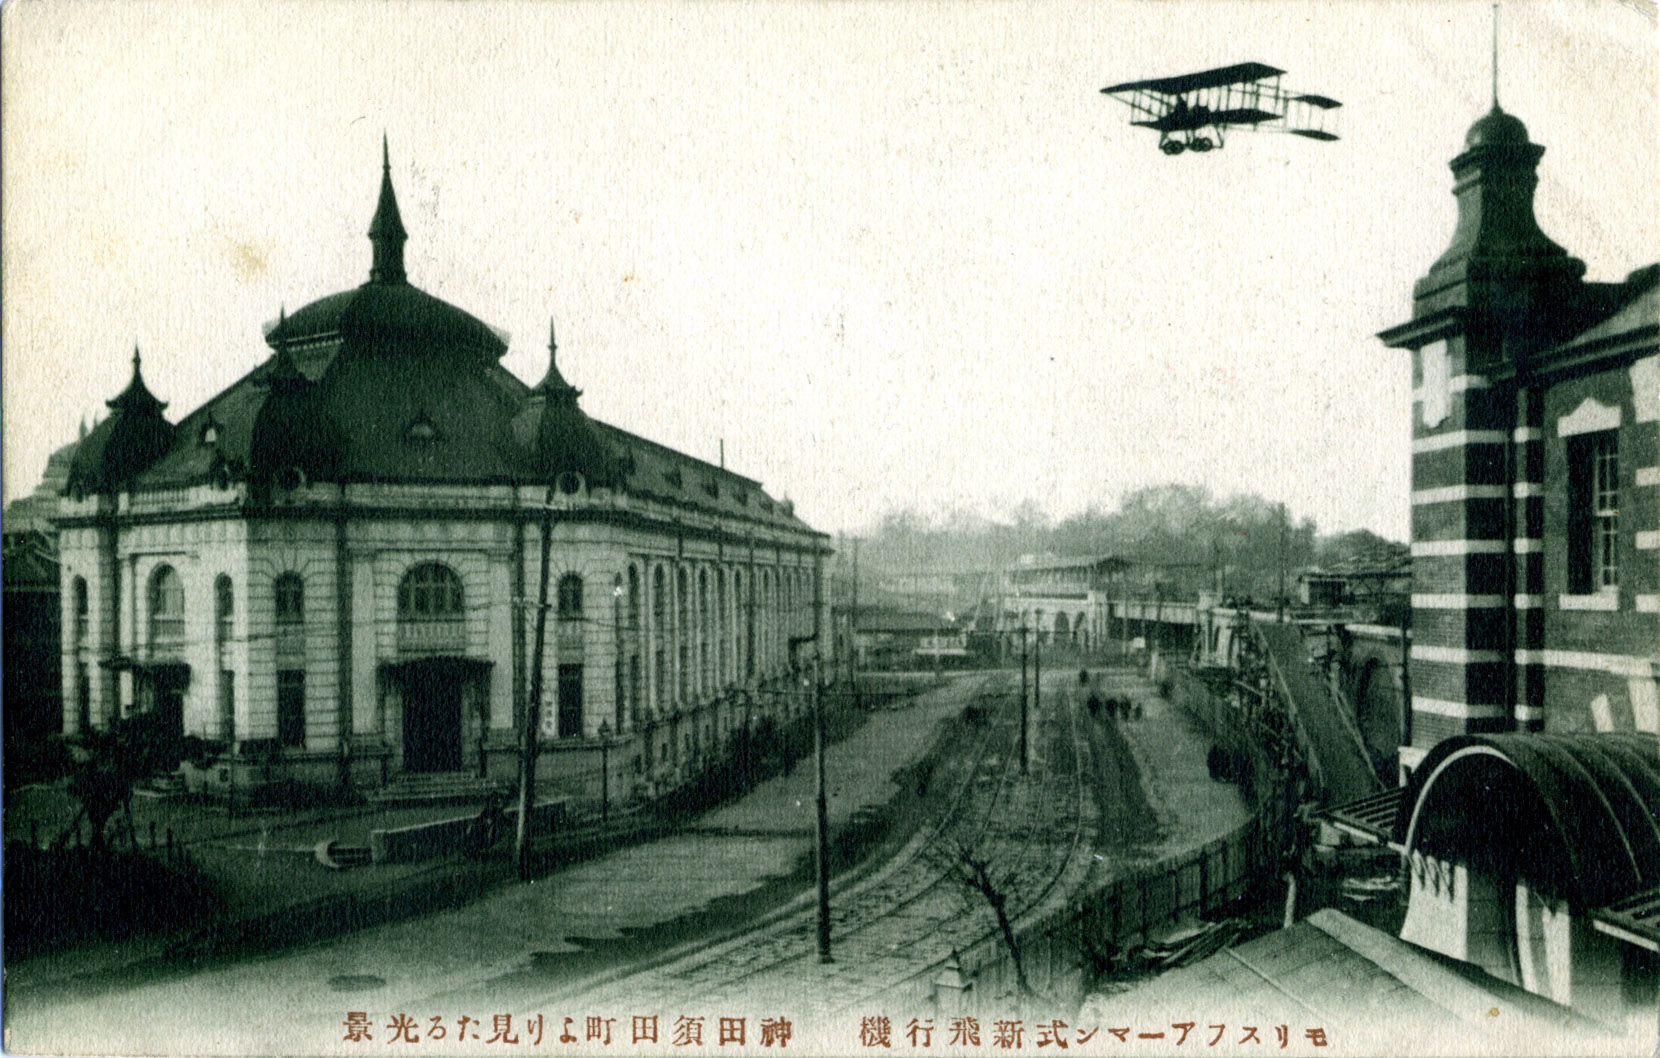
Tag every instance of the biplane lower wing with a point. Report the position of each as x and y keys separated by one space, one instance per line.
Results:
x=1194 y=120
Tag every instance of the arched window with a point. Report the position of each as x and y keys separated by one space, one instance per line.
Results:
x=659 y=601
x=633 y=598
x=430 y=611
x=724 y=636
x=166 y=606
x=705 y=670
x=683 y=637
x=570 y=597
x=430 y=592
x=659 y=630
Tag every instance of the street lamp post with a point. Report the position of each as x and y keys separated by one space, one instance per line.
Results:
x=604 y=772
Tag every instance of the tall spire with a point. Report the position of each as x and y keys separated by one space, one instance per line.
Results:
x=386 y=232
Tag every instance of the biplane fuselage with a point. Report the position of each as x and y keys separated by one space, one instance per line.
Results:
x=1247 y=95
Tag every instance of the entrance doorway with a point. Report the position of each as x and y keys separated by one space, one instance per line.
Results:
x=432 y=692
x=160 y=693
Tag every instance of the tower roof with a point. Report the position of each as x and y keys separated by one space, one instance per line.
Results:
x=134 y=436
x=137 y=396
x=563 y=439
x=1496 y=128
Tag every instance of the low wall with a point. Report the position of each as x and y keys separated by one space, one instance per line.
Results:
x=425 y=841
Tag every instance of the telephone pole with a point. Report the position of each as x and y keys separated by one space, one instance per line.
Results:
x=818 y=752
x=1037 y=672
x=533 y=706
x=1023 y=697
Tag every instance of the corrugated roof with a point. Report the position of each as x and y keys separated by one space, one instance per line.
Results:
x=1578 y=815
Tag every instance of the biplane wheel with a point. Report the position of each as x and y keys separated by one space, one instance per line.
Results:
x=1172 y=146
x=1201 y=143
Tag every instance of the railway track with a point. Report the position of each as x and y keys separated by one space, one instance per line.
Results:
x=893 y=921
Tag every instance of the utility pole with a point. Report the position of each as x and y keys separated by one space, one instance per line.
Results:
x=1023 y=697
x=1279 y=606
x=533 y=706
x=818 y=752
x=853 y=630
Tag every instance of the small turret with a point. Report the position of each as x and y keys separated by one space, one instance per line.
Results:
x=135 y=435
x=563 y=439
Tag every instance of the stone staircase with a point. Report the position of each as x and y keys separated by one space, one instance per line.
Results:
x=436 y=788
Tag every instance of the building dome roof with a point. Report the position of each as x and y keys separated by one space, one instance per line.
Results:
x=390 y=316
x=387 y=314
x=1496 y=129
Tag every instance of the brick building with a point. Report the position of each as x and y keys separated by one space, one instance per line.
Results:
x=1534 y=472
x=333 y=565
x=1530 y=819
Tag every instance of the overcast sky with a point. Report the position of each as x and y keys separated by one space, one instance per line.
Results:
x=894 y=254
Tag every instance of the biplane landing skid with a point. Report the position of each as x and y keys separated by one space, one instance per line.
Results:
x=1194 y=143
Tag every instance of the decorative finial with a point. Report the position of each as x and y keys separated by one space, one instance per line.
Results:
x=552 y=344
x=135 y=358
x=385 y=153
x=1495 y=56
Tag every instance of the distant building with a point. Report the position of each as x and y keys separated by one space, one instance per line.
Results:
x=1062 y=600
x=885 y=638
x=335 y=563
x=30 y=610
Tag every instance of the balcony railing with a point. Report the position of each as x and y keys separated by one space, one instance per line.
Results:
x=431 y=637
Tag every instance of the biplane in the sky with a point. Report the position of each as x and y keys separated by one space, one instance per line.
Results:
x=1245 y=96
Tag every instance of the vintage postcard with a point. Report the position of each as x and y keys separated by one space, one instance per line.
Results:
x=951 y=528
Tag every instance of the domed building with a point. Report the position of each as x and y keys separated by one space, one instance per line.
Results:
x=328 y=572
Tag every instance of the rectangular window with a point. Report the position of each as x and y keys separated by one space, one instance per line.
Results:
x=291 y=707
x=1593 y=513
x=227 y=705
x=83 y=697
x=570 y=701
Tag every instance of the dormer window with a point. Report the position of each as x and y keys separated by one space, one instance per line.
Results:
x=210 y=434
x=422 y=428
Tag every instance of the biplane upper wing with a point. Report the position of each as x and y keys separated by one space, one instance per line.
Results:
x=1240 y=73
